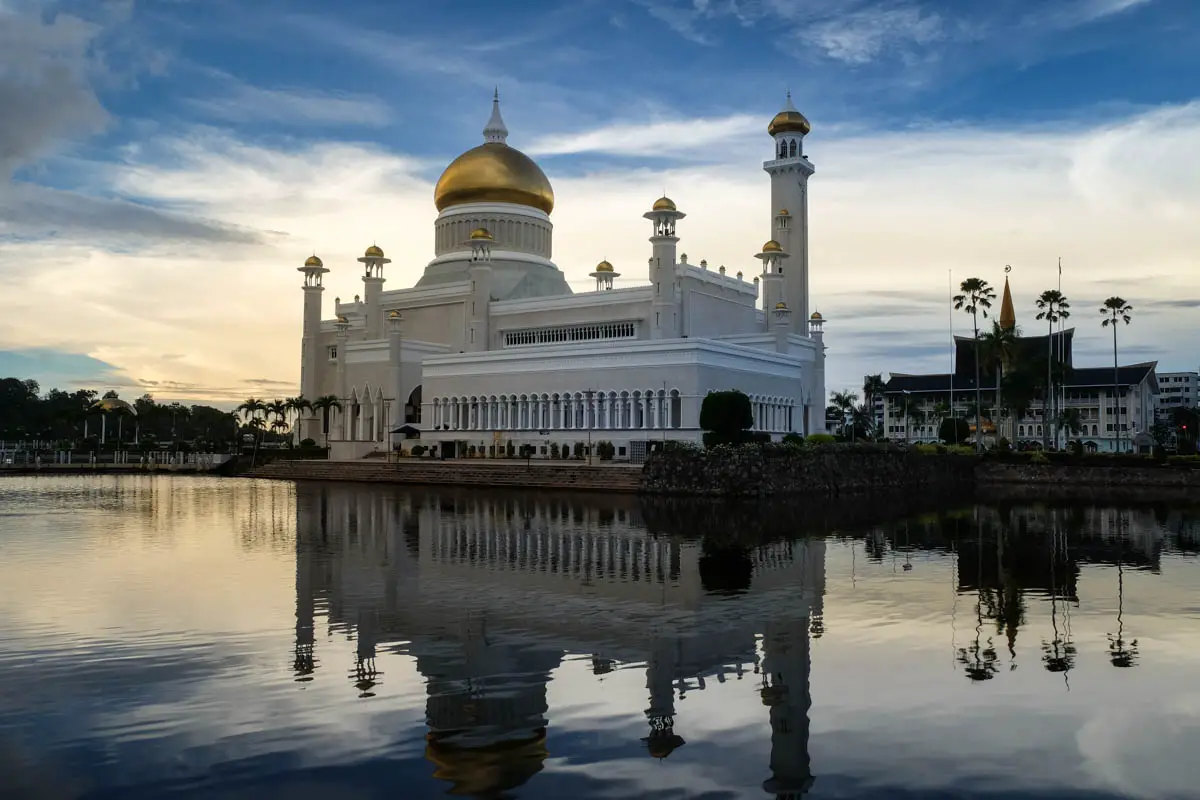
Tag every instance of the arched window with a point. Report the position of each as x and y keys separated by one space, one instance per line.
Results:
x=783 y=148
x=1021 y=430
x=792 y=149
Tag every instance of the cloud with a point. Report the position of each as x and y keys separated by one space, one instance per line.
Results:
x=45 y=85
x=241 y=102
x=691 y=139
x=1074 y=13
x=862 y=36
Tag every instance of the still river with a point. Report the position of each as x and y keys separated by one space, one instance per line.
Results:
x=227 y=638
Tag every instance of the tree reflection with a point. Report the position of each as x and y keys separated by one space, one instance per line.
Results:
x=1121 y=653
x=1058 y=655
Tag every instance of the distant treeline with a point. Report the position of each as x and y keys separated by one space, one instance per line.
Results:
x=57 y=416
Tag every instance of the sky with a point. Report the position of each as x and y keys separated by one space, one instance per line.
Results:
x=166 y=165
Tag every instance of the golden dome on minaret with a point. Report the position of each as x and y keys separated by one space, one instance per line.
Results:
x=604 y=266
x=493 y=172
x=481 y=233
x=374 y=251
x=790 y=120
x=772 y=246
x=663 y=203
x=313 y=261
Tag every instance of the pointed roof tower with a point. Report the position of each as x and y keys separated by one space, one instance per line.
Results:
x=495 y=130
x=1008 y=315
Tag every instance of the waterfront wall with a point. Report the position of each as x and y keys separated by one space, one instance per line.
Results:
x=828 y=471
x=1072 y=476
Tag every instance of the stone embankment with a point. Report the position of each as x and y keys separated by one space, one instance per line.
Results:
x=502 y=473
x=991 y=473
x=826 y=471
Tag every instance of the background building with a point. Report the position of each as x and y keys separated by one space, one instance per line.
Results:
x=1112 y=411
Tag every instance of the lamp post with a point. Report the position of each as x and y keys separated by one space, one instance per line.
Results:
x=906 y=393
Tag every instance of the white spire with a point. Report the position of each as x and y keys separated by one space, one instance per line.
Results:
x=789 y=105
x=495 y=131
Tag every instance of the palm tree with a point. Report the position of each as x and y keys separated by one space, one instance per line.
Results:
x=251 y=409
x=278 y=409
x=976 y=299
x=1116 y=310
x=1000 y=352
x=917 y=417
x=298 y=405
x=1070 y=421
x=257 y=425
x=1054 y=307
x=324 y=404
x=872 y=388
x=844 y=402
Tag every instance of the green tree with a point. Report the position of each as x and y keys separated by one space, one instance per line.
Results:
x=325 y=404
x=1000 y=345
x=1054 y=307
x=844 y=403
x=726 y=416
x=954 y=430
x=1116 y=310
x=976 y=299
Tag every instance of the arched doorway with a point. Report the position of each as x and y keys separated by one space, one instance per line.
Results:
x=412 y=409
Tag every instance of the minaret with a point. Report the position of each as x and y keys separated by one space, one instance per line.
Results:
x=814 y=409
x=789 y=171
x=481 y=284
x=604 y=275
x=664 y=319
x=395 y=342
x=343 y=337
x=774 y=288
x=783 y=326
x=310 y=343
x=373 y=261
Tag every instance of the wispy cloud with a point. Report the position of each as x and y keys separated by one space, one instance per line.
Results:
x=863 y=36
x=687 y=139
x=242 y=102
x=1074 y=13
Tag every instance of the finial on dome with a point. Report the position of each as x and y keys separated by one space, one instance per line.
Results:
x=495 y=130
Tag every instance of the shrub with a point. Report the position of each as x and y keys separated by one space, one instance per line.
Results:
x=727 y=415
x=418 y=450
x=308 y=443
x=1075 y=447
x=554 y=451
x=471 y=450
x=1039 y=457
x=794 y=439
x=1004 y=446
x=577 y=451
x=954 y=430
x=821 y=438
x=606 y=450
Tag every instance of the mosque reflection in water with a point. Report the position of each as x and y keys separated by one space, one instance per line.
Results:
x=488 y=594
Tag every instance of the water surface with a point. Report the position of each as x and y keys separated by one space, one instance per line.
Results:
x=223 y=638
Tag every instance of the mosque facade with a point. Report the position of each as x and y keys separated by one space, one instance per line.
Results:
x=492 y=348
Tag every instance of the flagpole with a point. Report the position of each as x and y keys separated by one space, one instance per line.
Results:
x=950 y=306
x=1062 y=383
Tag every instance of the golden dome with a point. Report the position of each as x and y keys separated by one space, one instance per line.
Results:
x=490 y=769
x=493 y=172
x=783 y=212
x=772 y=247
x=604 y=266
x=393 y=314
x=816 y=316
x=313 y=261
x=113 y=404
x=781 y=306
x=789 y=122
x=373 y=252
x=341 y=320
x=663 y=203
x=482 y=233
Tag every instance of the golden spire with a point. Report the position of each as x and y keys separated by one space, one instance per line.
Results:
x=1008 y=316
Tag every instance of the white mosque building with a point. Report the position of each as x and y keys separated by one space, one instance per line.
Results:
x=491 y=347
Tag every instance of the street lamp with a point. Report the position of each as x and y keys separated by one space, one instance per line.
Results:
x=906 y=393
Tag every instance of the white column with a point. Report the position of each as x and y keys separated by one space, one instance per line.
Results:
x=667 y=409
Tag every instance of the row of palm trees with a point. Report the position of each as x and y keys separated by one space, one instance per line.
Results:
x=277 y=415
x=998 y=346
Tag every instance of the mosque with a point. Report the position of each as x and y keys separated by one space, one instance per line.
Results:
x=492 y=349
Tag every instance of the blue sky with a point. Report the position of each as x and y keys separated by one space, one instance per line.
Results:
x=164 y=163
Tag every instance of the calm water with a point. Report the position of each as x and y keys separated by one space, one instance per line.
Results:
x=234 y=639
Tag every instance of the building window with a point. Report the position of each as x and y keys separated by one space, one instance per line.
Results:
x=568 y=334
x=333 y=352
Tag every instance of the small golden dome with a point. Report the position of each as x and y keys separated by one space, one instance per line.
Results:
x=482 y=233
x=374 y=252
x=783 y=212
x=604 y=266
x=393 y=314
x=663 y=203
x=816 y=316
x=493 y=172
x=781 y=306
x=313 y=261
x=113 y=404
x=341 y=320
x=772 y=246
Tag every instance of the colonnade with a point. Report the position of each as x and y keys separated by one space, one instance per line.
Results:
x=580 y=410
